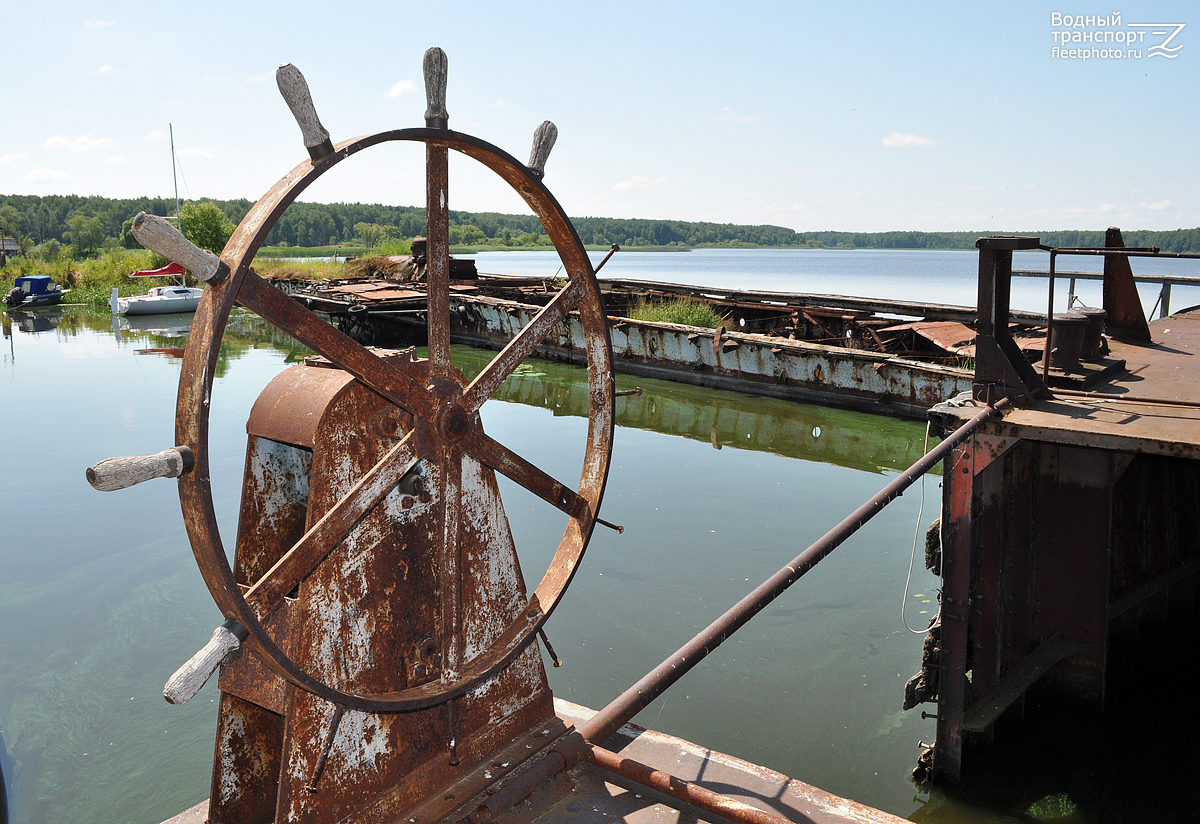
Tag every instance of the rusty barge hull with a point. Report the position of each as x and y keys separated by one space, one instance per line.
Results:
x=738 y=361
x=834 y=350
x=1070 y=529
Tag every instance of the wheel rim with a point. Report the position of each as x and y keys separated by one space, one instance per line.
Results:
x=443 y=411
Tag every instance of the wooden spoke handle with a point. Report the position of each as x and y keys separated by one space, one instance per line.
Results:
x=434 y=64
x=188 y=679
x=294 y=89
x=158 y=235
x=543 y=141
x=118 y=473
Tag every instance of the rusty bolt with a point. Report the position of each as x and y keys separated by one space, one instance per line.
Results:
x=454 y=423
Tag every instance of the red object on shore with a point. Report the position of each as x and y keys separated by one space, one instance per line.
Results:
x=171 y=268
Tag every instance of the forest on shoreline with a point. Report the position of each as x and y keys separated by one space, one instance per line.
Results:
x=36 y=220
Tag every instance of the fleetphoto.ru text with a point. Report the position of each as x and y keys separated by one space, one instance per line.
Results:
x=1107 y=37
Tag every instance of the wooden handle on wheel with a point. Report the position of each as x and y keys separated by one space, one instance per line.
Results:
x=543 y=141
x=294 y=89
x=188 y=679
x=158 y=235
x=434 y=65
x=118 y=473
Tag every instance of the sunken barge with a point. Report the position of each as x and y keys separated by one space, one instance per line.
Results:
x=893 y=357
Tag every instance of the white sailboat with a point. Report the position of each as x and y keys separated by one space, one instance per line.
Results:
x=160 y=300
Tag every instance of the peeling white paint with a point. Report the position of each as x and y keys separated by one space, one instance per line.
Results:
x=233 y=728
x=360 y=740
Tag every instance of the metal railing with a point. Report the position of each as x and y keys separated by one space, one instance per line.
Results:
x=1165 y=282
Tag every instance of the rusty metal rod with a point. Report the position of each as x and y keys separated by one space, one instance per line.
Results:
x=574 y=747
x=615 y=248
x=614 y=527
x=606 y=722
x=549 y=649
x=679 y=789
x=338 y=712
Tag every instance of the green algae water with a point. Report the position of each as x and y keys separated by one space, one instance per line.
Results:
x=100 y=599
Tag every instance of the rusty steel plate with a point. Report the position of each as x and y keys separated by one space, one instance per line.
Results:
x=443 y=405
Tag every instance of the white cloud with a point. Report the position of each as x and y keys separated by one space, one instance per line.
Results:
x=96 y=23
x=401 y=87
x=157 y=134
x=192 y=151
x=9 y=161
x=902 y=139
x=47 y=176
x=259 y=78
x=106 y=69
x=115 y=160
x=1157 y=206
x=499 y=104
x=1105 y=208
x=728 y=116
x=77 y=144
x=640 y=183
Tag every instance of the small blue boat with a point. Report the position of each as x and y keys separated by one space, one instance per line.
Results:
x=34 y=290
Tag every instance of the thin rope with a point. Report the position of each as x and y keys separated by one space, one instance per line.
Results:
x=916 y=535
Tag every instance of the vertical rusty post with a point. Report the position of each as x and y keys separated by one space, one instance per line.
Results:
x=437 y=245
x=1001 y=370
x=437 y=214
x=959 y=541
x=437 y=324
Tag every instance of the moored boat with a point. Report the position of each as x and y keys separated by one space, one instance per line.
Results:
x=34 y=290
x=159 y=300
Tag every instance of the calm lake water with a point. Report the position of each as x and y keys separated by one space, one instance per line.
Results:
x=101 y=601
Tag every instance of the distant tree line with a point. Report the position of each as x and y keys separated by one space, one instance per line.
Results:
x=1174 y=240
x=36 y=220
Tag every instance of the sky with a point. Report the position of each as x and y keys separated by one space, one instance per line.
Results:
x=849 y=116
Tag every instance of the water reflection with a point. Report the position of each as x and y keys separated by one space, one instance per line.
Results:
x=722 y=419
x=32 y=321
x=173 y=325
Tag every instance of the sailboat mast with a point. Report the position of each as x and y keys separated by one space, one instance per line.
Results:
x=174 y=179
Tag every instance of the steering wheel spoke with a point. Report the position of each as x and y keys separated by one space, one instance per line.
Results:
x=522 y=345
x=511 y=465
x=450 y=566
x=385 y=378
x=316 y=544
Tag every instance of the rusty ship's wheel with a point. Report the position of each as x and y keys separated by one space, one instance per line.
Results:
x=444 y=406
